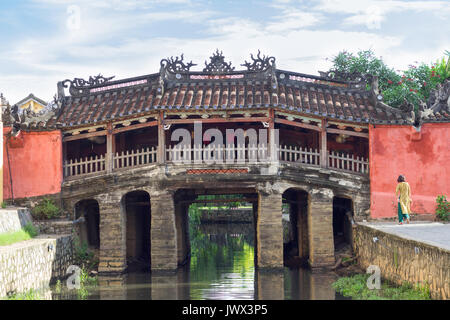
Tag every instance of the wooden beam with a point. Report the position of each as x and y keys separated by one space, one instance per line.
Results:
x=109 y=148
x=349 y=133
x=136 y=126
x=220 y=200
x=297 y=124
x=225 y=191
x=161 y=157
x=323 y=145
x=85 y=135
x=271 y=146
x=216 y=120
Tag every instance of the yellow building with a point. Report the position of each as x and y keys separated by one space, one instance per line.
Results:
x=31 y=102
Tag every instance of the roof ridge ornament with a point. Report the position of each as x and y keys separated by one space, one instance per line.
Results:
x=260 y=63
x=78 y=85
x=176 y=65
x=438 y=103
x=217 y=64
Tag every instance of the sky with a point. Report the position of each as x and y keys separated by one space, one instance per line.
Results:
x=46 y=41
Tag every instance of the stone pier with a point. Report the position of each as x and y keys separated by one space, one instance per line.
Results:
x=164 y=253
x=112 y=234
x=269 y=231
x=320 y=218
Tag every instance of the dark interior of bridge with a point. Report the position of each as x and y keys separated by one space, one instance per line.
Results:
x=138 y=219
x=88 y=231
x=295 y=226
x=342 y=228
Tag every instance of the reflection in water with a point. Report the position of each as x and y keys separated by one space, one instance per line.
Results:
x=221 y=267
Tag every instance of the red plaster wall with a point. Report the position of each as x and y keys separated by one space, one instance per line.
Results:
x=422 y=157
x=36 y=164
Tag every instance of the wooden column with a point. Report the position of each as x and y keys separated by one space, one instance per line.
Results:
x=271 y=146
x=110 y=148
x=64 y=157
x=161 y=138
x=323 y=145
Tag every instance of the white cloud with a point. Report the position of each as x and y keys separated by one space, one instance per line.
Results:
x=293 y=20
x=110 y=41
x=372 y=12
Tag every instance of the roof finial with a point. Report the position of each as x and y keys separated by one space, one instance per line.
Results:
x=218 y=64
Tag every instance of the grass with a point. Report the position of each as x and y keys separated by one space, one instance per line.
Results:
x=29 y=295
x=26 y=233
x=356 y=288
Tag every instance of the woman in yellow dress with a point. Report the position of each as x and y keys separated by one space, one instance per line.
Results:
x=403 y=192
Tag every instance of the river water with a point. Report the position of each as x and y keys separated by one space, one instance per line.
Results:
x=221 y=267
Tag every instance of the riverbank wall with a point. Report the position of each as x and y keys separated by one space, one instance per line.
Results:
x=35 y=263
x=401 y=259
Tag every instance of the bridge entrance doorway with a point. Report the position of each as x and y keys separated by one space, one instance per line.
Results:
x=138 y=219
x=295 y=227
x=88 y=228
x=342 y=222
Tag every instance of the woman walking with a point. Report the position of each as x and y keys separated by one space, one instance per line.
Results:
x=403 y=192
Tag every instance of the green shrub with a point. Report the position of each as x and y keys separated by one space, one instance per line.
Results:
x=31 y=230
x=356 y=287
x=83 y=256
x=443 y=208
x=45 y=209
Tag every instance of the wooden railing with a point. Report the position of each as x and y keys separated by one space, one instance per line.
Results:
x=134 y=158
x=214 y=154
x=348 y=162
x=300 y=155
x=86 y=166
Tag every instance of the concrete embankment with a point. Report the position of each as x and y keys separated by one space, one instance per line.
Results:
x=31 y=264
x=416 y=253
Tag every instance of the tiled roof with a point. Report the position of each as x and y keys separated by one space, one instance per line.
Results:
x=219 y=87
x=313 y=96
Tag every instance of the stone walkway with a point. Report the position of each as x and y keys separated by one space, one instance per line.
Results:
x=432 y=233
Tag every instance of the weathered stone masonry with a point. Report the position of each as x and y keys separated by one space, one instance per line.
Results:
x=169 y=232
x=163 y=234
x=320 y=221
x=269 y=231
x=402 y=259
x=112 y=234
x=34 y=263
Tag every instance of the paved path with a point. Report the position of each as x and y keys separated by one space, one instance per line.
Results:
x=434 y=233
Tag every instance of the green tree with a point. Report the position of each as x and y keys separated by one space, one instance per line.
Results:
x=413 y=85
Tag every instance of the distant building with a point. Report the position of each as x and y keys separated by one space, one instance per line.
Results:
x=31 y=102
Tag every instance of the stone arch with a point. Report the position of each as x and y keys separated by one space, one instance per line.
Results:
x=87 y=214
x=136 y=210
x=296 y=202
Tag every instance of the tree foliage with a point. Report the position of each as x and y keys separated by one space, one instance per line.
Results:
x=396 y=86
